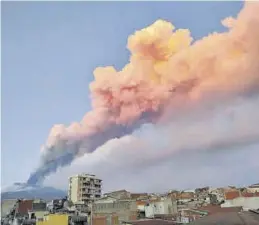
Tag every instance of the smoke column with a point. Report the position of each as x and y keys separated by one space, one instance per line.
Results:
x=167 y=71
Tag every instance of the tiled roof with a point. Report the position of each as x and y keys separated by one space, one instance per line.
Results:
x=231 y=195
x=141 y=203
x=231 y=218
x=247 y=194
x=152 y=222
x=213 y=209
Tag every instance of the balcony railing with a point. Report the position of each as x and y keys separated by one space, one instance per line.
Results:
x=97 y=181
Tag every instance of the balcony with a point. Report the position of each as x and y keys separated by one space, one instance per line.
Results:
x=97 y=186
x=90 y=187
x=86 y=184
x=85 y=179
x=97 y=182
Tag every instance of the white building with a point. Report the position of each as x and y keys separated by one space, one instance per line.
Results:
x=165 y=206
x=84 y=187
x=253 y=188
x=245 y=202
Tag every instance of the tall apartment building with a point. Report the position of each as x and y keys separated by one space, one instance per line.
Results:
x=84 y=187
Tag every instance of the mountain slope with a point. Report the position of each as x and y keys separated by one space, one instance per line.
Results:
x=23 y=190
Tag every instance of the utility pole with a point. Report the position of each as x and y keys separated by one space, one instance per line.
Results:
x=92 y=213
x=154 y=210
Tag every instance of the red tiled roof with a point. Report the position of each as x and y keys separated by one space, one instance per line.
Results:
x=231 y=195
x=141 y=202
x=247 y=194
x=235 y=194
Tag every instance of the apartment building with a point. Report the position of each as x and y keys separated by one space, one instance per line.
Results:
x=84 y=188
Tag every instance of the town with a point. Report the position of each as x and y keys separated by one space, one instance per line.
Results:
x=85 y=204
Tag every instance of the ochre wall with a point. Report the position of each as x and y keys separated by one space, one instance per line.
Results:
x=54 y=219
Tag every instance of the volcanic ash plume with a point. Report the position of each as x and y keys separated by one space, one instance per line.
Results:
x=166 y=73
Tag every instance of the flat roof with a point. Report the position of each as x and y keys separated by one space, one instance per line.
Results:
x=85 y=175
x=231 y=218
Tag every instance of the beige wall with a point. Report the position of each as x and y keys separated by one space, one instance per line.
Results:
x=105 y=200
x=125 y=210
x=114 y=207
x=39 y=214
x=74 y=189
x=120 y=194
x=78 y=187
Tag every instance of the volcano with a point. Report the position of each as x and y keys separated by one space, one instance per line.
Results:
x=27 y=191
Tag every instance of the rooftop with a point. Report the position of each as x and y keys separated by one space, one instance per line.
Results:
x=85 y=175
x=151 y=222
x=230 y=195
x=231 y=218
x=254 y=186
x=115 y=192
x=213 y=209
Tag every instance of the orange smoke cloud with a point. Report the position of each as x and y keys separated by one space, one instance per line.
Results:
x=165 y=67
x=164 y=59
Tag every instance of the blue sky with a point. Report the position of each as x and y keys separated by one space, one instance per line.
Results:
x=49 y=51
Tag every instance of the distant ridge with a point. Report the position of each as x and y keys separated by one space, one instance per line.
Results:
x=23 y=190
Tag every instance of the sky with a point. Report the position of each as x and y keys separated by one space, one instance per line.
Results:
x=49 y=52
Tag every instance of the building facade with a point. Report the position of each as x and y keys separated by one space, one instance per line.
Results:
x=247 y=203
x=121 y=194
x=84 y=188
x=157 y=207
x=246 y=200
x=109 y=207
x=54 y=219
x=253 y=188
